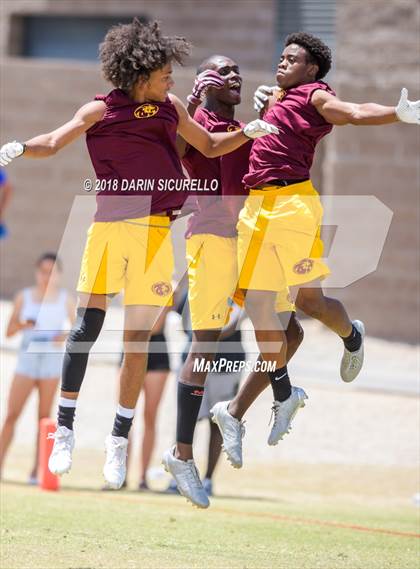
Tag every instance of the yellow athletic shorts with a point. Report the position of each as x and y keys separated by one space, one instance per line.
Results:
x=213 y=281
x=134 y=255
x=279 y=243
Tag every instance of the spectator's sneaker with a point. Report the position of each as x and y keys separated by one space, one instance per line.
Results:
x=284 y=412
x=352 y=362
x=143 y=486
x=208 y=486
x=187 y=478
x=232 y=431
x=60 y=459
x=115 y=469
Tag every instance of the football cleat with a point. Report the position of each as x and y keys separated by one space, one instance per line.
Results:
x=352 y=362
x=284 y=412
x=60 y=460
x=187 y=478
x=232 y=431
x=115 y=469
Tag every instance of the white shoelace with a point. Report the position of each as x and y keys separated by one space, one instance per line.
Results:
x=193 y=476
x=274 y=413
x=118 y=453
x=354 y=362
x=61 y=442
x=233 y=427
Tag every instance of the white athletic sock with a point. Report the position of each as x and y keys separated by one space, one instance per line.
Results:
x=64 y=402
x=125 y=412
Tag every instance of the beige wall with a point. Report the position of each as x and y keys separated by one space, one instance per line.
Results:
x=377 y=51
x=242 y=29
x=378 y=48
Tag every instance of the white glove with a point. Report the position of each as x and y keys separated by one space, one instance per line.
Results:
x=408 y=111
x=261 y=96
x=9 y=151
x=258 y=128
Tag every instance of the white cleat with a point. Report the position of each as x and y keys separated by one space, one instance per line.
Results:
x=115 y=469
x=232 y=431
x=187 y=479
x=352 y=362
x=283 y=412
x=60 y=459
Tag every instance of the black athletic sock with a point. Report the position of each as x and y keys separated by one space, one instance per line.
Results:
x=189 y=402
x=122 y=426
x=66 y=416
x=353 y=341
x=280 y=384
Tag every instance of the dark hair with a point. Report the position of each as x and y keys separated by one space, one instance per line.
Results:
x=50 y=257
x=131 y=51
x=317 y=51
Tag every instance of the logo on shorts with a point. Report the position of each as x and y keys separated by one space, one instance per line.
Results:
x=304 y=266
x=146 y=111
x=161 y=288
x=233 y=128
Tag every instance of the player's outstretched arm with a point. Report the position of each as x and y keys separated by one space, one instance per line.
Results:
x=49 y=144
x=339 y=112
x=217 y=144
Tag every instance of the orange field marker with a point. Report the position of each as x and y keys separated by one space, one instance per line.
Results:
x=47 y=480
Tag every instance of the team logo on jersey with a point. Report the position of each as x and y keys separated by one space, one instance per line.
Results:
x=304 y=266
x=145 y=111
x=161 y=288
x=281 y=94
x=233 y=128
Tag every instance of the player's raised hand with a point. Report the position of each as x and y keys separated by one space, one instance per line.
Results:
x=408 y=111
x=202 y=82
x=261 y=96
x=258 y=128
x=9 y=151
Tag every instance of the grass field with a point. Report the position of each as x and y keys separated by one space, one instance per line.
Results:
x=335 y=518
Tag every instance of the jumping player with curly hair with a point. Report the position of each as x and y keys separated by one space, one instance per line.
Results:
x=279 y=240
x=130 y=135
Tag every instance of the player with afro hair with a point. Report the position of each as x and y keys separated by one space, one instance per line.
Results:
x=131 y=137
x=132 y=51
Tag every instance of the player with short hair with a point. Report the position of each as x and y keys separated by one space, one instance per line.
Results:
x=130 y=134
x=212 y=259
x=279 y=240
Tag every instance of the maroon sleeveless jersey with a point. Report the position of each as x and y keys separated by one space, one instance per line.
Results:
x=289 y=154
x=134 y=156
x=213 y=214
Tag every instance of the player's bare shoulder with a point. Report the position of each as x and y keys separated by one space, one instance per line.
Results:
x=179 y=105
x=174 y=99
x=92 y=112
x=321 y=96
